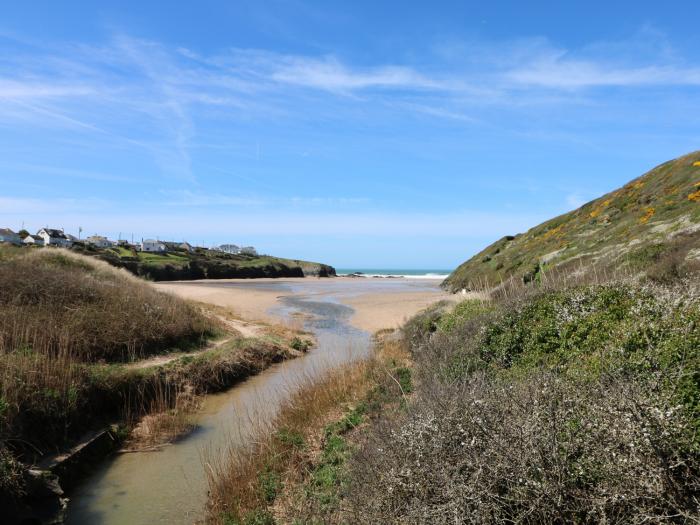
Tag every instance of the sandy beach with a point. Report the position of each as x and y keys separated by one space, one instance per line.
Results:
x=376 y=304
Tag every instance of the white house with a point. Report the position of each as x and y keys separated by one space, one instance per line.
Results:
x=152 y=245
x=33 y=240
x=99 y=241
x=7 y=235
x=230 y=248
x=54 y=237
x=248 y=250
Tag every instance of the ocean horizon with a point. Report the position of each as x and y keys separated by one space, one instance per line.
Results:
x=423 y=273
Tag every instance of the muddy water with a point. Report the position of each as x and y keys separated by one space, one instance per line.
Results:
x=169 y=485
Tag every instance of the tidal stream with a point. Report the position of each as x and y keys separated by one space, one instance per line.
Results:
x=169 y=485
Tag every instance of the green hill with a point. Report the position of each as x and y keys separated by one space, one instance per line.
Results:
x=179 y=264
x=651 y=223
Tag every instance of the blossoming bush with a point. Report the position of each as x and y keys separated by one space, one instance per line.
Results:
x=579 y=405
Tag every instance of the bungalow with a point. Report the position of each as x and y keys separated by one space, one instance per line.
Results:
x=54 y=237
x=152 y=245
x=7 y=235
x=230 y=248
x=72 y=238
x=33 y=240
x=99 y=241
x=248 y=250
x=187 y=247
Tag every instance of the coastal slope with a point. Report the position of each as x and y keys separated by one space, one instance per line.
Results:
x=652 y=220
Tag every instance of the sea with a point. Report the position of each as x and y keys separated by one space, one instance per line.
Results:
x=396 y=272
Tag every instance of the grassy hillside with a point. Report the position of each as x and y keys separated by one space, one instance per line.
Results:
x=54 y=302
x=203 y=264
x=74 y=332
x=652 y=221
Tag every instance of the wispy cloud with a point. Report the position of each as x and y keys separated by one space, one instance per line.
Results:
x=189 y=198
x=165 y=87
x=38 y=169
x=12 y=89
x=561 y=72
x=49 y=208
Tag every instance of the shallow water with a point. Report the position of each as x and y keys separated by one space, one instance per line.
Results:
x=169 y=485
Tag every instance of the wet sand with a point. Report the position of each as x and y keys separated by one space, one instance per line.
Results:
x=377 y=303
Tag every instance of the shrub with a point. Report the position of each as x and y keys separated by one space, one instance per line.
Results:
x=541 y=450
x=576 y=405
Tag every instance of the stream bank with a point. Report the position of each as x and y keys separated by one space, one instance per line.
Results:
x=170 y=485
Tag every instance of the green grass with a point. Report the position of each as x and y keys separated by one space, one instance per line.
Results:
x=588 y=331
x=162 y=258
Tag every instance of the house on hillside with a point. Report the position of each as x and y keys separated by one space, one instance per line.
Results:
x=230 y=248
x=98 y=241
x=7 y=235
x=53 y=237
x=153 y=245
x=72 y=238
x=33 y=240
x=187 y=247
x=248 y=250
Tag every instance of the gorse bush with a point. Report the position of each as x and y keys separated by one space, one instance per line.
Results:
x=578 y=405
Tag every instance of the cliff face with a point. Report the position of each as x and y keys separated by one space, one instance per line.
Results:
x=655 y=214
x=316 y=269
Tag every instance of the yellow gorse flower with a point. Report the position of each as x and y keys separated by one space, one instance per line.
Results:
x=648 y=215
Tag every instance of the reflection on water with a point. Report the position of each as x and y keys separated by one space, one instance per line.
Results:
x=169 y=485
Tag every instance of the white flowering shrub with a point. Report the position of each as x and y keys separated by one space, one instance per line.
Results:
x=573 y=406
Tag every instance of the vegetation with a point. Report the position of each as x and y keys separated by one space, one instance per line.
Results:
x=54 y=303
x=179 y=264
x=298 y=470
x=567 y=393
x=659 y=209
x=72 y=332
x=567 y=405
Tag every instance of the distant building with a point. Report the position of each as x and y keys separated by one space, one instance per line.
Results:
x=53 y=237
x=122 y=242
x=33 y=240
x=152 y=245
x=187 y=247
x=7 y=235
x=99 y=241
x=248 y=250
x=230 y=248
x=72 y=238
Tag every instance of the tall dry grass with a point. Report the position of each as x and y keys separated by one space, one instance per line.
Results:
x=286 y=448
x=56 y=303
x=60 y=313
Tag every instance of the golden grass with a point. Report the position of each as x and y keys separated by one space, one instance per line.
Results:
x=235 y=480
x=62 y=317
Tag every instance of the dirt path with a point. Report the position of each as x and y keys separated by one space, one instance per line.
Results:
x=238 y=328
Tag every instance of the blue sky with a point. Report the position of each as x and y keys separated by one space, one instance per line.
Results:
x=371 y=134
